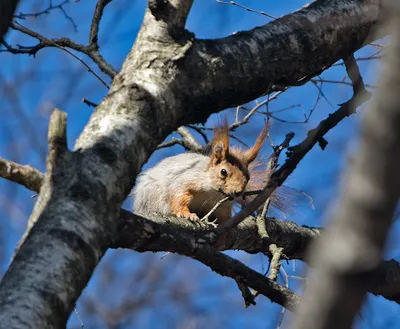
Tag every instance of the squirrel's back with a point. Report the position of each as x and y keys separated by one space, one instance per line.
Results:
x=169 y=177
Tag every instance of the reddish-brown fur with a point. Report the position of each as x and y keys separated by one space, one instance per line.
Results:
x=229 y=174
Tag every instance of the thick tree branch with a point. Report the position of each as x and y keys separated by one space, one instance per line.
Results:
x=178 y=235
x=286 y=52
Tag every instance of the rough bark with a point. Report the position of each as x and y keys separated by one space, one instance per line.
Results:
x=168 y=79
x=176 y=235
x=7 y=9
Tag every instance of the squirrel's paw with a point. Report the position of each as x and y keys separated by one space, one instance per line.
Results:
x=188 y=215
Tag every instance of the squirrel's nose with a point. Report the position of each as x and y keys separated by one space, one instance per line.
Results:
x=238 y=193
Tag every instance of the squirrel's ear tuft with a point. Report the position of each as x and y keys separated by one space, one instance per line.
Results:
x=219 y=152
x=251 y=153
x=220 y=142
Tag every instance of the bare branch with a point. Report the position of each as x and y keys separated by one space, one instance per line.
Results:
x=27 y=176
x=61 y=43
x=89 y=103
x=94 y=28
x=58 y=131
x=297 y=153
x=354 y=74
x=44 y=42
x=57 y=140
x=254 y=110
x=216 y=206
x=282 y=38
x=188 y=139
x=246 y=294
x=246 y=8
x=47 y=10
x=200 y=131
x=275 y=261
x=227 y=266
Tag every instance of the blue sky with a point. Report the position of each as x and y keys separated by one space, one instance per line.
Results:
x=33 y=86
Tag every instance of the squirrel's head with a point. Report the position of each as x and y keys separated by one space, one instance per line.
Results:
x=230 y=166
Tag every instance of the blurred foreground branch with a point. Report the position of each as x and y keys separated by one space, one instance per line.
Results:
x=345 y=261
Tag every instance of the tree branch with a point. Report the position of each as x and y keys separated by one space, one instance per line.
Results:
x=60 y=43
x=225 y=65
x=27 y=176
x=91 y=51
x=94 y=28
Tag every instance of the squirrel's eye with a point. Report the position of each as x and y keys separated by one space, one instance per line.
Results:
x=224 y=172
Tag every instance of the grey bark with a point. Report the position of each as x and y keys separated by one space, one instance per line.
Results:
x=168 y=79
x=7 y=9
x=178 y=236
x=351 y=251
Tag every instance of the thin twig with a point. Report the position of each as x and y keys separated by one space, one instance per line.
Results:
x=79 y=317
x=47 y=11
x=277 y=253
x=200 y=131
x=246 y=8
x=236 y=124
x=94 y=28
x=354 y=74
x=296 y=154
x=55 y=44
x=89 y=103
x=172 y=142
x=216 y=206
x=246 y=294
x=90 y=51
x=339 y=82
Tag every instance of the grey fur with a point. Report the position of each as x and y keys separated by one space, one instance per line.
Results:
x=171 y=176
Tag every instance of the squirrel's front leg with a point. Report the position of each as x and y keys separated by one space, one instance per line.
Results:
x=179 y=204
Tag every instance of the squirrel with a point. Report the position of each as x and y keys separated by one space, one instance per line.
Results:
x=190 y=184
